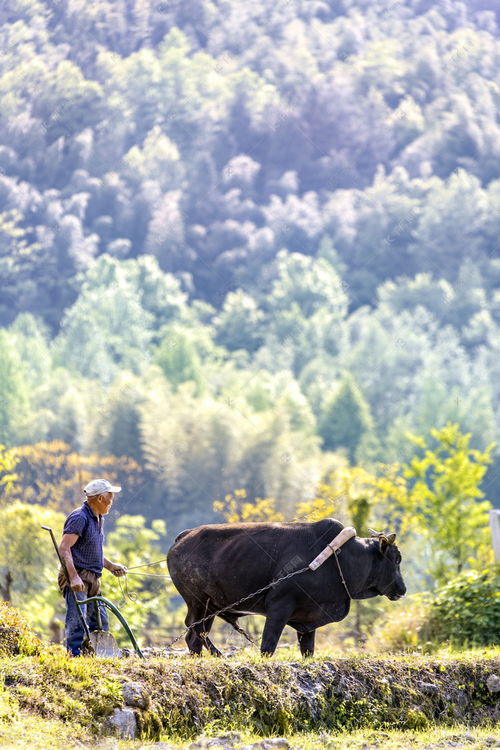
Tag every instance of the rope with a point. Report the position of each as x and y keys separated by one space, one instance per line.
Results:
x=144 y=565
x=149 y=575
x=336 y=555
x=126 y=594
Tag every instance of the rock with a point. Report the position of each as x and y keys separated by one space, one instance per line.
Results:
x=121 y=722
x=273 y=743
x=134 y=694
x=428 y=688
x=223 y=742
x=493 y=683
x=308 y=686
x=230 y=737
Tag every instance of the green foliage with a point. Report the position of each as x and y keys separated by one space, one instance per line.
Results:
x=401 y=628
x=8 y=477
x=235 y=509
x=346 y=419
x=305 y=311
x=118 y=431
x=198 y=449
x=466 y=611
x=178 y=357
x=144 y=597
x=157 y=160
x=21 y=260
x=14 y=391
x=445 y=502
x=239 y=322
x=51 y=474
x=16 y=636
x=27 y=563
x=112 y=329
x=319 y=206
x=196 y=155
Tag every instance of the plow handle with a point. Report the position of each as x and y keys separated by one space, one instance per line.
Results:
x=63 y=566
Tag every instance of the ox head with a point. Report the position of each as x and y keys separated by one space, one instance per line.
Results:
x=389 y=580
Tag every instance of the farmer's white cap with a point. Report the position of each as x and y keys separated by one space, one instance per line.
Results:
x=99 y=487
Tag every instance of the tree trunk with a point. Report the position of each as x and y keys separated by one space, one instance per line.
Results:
x=5 y=587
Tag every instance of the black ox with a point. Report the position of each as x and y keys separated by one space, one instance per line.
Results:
x=214 y=566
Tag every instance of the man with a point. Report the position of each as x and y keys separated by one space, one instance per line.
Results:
x=81 y=549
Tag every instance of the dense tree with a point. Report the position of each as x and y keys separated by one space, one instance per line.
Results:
x=25 y=551
x=51 y=474
x=14 y=392
x=346 y=420
x=178 y=357
x=111 y=326
x=239 y=322
x=125 y=129
x=208 y=232
x=232 y=235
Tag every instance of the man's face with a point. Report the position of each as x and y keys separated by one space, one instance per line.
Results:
x=104 y=502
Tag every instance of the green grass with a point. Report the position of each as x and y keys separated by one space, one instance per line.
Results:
x=37 y=733
x=247 y=692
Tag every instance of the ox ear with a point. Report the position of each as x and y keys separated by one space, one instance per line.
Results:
x=382 y=542
x=374 y=533
x=385 y=540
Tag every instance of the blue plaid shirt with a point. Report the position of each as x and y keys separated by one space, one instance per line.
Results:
x=87 y=551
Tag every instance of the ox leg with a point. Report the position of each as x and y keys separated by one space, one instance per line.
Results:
x=275 y=622
x=206 y=640
x=306 y=642
x=197 y=636
x=193 y=640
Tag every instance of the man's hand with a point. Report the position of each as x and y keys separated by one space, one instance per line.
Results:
x=117 y=569
x=76 y=583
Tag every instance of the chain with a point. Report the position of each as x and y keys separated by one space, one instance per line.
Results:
x=133 y=597
x=235 y=604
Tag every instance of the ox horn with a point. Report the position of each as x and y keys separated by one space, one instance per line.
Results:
x=374 y=533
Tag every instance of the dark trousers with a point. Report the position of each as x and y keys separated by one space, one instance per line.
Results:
x=75 y=632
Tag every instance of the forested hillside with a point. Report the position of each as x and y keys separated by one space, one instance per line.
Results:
x=242 y=243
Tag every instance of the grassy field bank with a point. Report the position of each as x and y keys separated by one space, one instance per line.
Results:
x=68 y=700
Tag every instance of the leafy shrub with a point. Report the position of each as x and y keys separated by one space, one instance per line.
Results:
x=400 y=628
x=8 y=706
x=16 y=636
x=467 y=610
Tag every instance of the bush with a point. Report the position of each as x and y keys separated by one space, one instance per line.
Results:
x=399 y=630
x=466 y=611
x=16 y=636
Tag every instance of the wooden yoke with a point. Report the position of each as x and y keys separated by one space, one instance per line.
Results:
x=333 y=546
